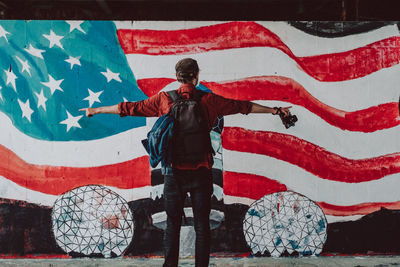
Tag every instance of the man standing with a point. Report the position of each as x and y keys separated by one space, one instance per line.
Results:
x=194 y=177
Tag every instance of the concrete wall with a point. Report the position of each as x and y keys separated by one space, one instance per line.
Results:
x=330 y=181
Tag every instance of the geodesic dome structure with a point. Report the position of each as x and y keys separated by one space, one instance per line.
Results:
x=92 y=220
x=285 y=221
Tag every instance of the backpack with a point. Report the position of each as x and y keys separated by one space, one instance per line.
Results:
x=181 y=135
x=191 y=138
x=158 y=140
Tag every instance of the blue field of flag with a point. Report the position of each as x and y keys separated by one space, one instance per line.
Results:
x=51 y=69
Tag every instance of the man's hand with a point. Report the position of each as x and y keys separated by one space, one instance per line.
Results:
x=256 y=108
x=284 y=110
x=105 y=109
x=89 y=111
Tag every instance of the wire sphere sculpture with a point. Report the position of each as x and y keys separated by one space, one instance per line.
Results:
x=285 y=221
x=92 y=220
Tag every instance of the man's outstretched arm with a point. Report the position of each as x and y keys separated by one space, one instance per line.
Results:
x=145 y=108
x=105 y=109
x=256 y=108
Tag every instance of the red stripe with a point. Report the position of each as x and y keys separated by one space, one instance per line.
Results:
x=355 y=63
x=285 y=89
x=250 y=185
x=360 y=209
x=279 y=88
x=329 y=67
x=255 y=187
x=310 y=157
x=56 y=180
x=152 y=86
x=197 y=40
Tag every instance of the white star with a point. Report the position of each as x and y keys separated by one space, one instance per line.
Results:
x=93 y=97
x=1 y=96
x=72 y=121
x=73 y=61
x=125 y=100
x=53 y=84
x=54 y=39
x=26 y=109
x=3 y=33
x=25 y=65
x=111 y=75
x=35 y=52
x=75 y=24
x=41 y=100
x=11 y=77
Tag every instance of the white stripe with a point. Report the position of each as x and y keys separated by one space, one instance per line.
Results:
x=162 y=25
x=313 y=187
x=310 y=127
x=160 y=217
x=240 y=200
x=330 y=218
x=148 y=191
x=301 y=43
x=241 y=63
x=114 y=149
x=11 y=190
x=333 y=219
x=158 y=192
x=134 y=193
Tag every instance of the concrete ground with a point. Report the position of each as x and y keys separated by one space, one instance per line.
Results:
x=363 y=261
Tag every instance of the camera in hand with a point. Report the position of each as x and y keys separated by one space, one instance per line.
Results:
x=288 y=120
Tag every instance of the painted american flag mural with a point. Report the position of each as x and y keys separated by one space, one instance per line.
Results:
x=342 y=154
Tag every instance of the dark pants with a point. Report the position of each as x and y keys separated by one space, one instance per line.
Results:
x=200 y=186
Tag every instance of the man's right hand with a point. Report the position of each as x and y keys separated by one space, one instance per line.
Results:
x=89 y=111
x=104 y=109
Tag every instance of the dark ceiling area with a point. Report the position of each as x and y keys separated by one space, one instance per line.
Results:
x=337 y=10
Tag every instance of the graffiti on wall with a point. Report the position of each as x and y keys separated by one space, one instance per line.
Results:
x=77 y=186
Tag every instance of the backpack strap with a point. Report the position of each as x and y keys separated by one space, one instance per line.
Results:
x=198 y=95
x=174 y=95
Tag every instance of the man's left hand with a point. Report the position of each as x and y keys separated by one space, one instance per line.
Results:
x=284 y=110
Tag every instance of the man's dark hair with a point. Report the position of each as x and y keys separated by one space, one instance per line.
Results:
x=186 y=70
